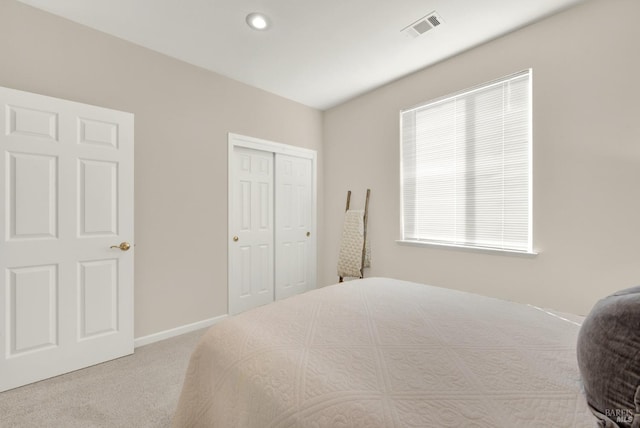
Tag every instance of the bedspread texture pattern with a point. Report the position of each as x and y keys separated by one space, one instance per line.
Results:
x=379 y=352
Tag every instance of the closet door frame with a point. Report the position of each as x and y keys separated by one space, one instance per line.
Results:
x=237 y=140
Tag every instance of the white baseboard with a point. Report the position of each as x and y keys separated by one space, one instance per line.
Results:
x=162 y=335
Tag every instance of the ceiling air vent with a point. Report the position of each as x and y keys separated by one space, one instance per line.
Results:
x=423 y=25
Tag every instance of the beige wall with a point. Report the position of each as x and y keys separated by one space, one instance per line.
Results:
x=182 y=116
x=586 y=157
x=586 y=186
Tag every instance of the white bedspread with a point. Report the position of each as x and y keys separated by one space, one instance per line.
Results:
x=379 y=352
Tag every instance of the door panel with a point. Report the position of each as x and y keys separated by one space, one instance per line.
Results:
x=295 y=261
x=32 y=196
x=98 y=297
x=98 y=133
x=98 y=198
x=66 y=188
x=32 y=309
x=28 y=122
x=251 y=222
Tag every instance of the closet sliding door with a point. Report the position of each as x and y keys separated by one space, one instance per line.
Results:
x=251 y=255
x=293 y=226
x=272 y=206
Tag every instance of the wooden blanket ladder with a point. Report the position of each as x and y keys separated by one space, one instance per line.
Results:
x=364 y=241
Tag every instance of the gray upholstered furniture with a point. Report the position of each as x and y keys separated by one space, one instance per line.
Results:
x=609 y=359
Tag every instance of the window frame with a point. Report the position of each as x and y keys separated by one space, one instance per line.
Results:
x=529 y=251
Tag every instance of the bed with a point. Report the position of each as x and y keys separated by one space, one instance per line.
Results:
x=380 y=352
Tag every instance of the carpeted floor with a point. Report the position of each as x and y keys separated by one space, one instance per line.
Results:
x=138 y=391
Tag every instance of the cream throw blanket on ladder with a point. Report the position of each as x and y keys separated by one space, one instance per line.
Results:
x=350 y=256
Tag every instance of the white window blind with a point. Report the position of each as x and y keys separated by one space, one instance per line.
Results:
x=466 y=167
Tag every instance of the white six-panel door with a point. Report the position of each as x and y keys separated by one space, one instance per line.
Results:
x=251 y=230
x=293 y=235
x=66 y=188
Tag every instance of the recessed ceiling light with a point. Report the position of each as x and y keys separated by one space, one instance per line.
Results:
x=257 y=21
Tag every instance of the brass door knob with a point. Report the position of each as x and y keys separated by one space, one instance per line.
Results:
x=235 y=239
x=124 y=246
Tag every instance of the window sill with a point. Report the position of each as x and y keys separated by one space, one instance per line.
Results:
x=467 y=248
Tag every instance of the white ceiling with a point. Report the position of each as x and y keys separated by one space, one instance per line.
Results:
x=317 y=52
